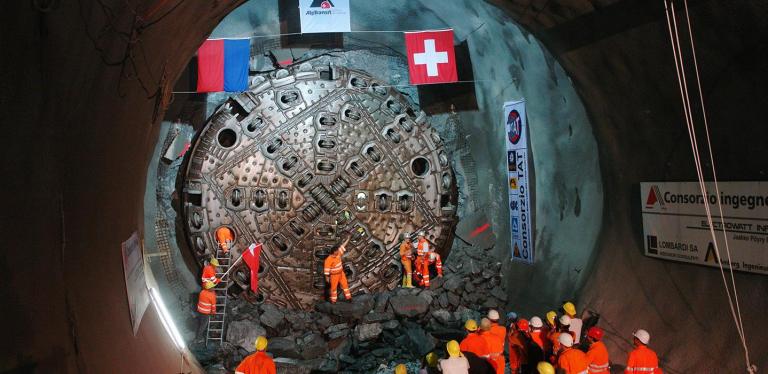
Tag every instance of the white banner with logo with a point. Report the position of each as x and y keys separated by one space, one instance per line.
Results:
x=675 y=225
x=520 y=217
x=135 y=283
x=324 y=16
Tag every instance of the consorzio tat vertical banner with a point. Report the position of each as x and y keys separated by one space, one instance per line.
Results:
x=520 y=218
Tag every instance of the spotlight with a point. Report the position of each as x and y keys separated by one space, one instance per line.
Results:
x=170 y=327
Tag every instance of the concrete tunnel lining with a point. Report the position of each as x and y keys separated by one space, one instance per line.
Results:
x=693 y=312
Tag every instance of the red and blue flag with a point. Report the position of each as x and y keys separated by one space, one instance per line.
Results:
x=222 y=65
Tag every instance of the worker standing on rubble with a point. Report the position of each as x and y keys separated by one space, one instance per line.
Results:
x=406 y=258
x=422 y=262
x=597 y=355
x=576 y=323
x=495 y=346
x=642 y=359
x=209 y=271
x=333 y=269
x=570 y=360
x=259 y=362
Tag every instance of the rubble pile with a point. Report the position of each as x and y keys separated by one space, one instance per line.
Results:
x=371 y=331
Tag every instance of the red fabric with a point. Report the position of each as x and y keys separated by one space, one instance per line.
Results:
x=210 y=66
x=475 y=344
x=415 y=46
x=251 y=258
x=257 y=363
x=517 y=350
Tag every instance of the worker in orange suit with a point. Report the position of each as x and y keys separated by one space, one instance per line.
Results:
x=537 y=334
x=259 y=362
x=552 y=333
x=225 y=237
x=473 y=342
x=422 y=262
x=333 y=270
x=406 y=258
x=496 y=328
x=206 y=303
x=495 y=346
x=434 y=258
x=642 y=359
x=570 y=360
x=209 y=271
x=597 y=355
x=517 y=346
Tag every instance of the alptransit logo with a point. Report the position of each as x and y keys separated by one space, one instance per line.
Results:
x=653 y=198
x=327 y=5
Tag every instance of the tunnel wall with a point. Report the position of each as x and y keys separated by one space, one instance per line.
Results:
x=78 y=151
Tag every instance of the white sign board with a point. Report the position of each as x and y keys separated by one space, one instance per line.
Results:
x=675 y=224
x=324 y=16
x=135 y=283
x=520 y=217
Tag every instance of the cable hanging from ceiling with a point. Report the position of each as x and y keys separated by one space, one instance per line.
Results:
x=680 y=68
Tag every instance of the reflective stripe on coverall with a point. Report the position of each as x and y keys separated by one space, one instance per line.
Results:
x=209 y=274
x=643 y=360
x=597 y=358
x=475 y=344
x=495 y=350
x=206 y=303
x=572 y=361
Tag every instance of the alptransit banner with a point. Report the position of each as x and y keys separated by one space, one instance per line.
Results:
x=324 y=16
x=520 y=219
x=675 y=225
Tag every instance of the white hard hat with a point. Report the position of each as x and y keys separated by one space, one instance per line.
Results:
x=493 y=315
x=536 y=322
x=643 y=336
x=421 y=233
x=566 y=339
x=565 y=320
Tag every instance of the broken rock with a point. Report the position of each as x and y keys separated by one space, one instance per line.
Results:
x=409 y=305
x=244 y=333
x=367 y=331
x=271 y=316
x=283 y=347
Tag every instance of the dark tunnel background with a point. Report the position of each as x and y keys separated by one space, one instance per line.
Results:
x=80 y=126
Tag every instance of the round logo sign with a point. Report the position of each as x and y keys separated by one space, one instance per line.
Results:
x=514 y=126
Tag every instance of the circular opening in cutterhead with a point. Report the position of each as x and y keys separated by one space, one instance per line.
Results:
x=420 y=166
x=227 y=138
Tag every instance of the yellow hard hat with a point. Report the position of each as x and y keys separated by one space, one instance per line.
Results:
x=208 y=285
x=453 y=348
x=401 y=369
x=545 y=368
x=551 y=317
x=569 y=308
x=431 y=359
x=214 y=262
x=261 y=343
x=470 y=325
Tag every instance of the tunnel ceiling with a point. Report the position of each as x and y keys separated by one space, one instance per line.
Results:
x=307 y=156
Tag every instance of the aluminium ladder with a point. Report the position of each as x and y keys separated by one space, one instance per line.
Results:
x=216 y=326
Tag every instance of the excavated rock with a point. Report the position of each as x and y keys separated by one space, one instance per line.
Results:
x=271 y=316
x=311 y=346
x=409 y=305
x=244 y=333
x=356 y=309
x=367 y=331
x=337 y=331
x=283 y=347
x=443 y=316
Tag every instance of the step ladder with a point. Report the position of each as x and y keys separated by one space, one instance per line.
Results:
x=216 y=322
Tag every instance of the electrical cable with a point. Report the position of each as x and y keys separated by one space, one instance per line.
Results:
x=682 y=82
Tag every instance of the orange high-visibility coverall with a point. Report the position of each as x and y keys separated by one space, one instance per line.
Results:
x=206 y=303
x=518 y=354
x=434 y=258
x=499 y=330
x=597 y=358
x=540 y=338
x=406 y=257
x=495 y=350
x=209 y=275
x=223 y=235
x=422 y=263
x=257 y=363
x=572 y=361
x=553 y=338
x=334 y=269
x=643 y=360
x=475 y=344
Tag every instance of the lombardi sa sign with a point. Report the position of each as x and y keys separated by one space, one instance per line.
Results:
x=675 y=225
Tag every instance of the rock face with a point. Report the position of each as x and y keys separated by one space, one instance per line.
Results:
x=271 y=316
x=409 y=305
x=368 y=331
x=244 y=333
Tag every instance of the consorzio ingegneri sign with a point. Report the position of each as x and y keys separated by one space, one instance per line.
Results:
x=675 y=225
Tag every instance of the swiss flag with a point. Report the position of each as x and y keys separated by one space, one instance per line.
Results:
x=251 y=258
x=430 y=57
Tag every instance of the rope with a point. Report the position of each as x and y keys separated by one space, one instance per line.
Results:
x=683 y=84
x=382 y=86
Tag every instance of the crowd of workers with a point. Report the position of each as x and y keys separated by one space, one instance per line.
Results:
x=559 y=346
x=524 y=346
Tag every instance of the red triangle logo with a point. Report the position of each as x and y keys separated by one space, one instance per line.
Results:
x=652 y=199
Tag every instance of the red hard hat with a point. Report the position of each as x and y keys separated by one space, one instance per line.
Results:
x=522 y=324
x=595 y=332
